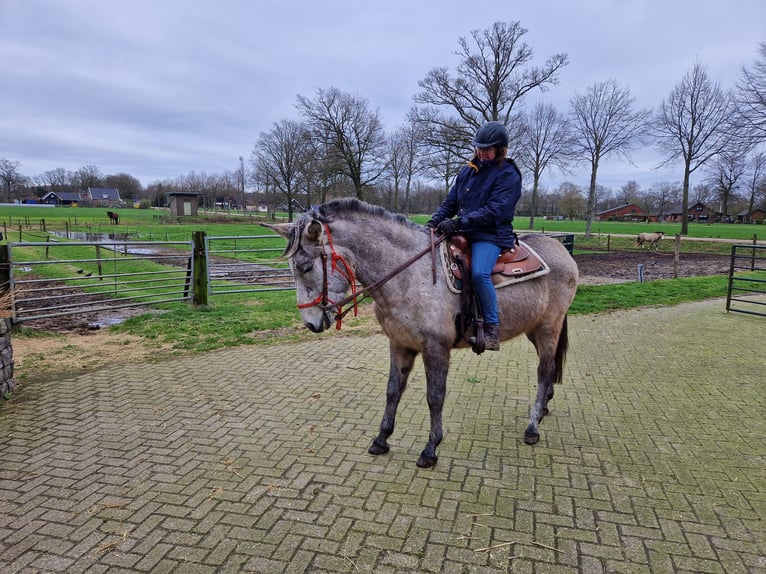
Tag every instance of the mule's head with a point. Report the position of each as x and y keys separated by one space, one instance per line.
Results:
x=317 y=283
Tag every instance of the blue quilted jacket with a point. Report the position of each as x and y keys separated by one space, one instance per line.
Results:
x=484 y=200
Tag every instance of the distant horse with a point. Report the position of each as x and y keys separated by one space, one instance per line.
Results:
x=114 y=217
x=653 y=239
x=346 y=240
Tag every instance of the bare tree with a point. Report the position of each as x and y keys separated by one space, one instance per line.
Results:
x=629 y=192
x=756 y=179
x=692 y=124
x=662 y=197
x=278 y=158
x=750 y=98
x=545 y=141
x=128 y=186
x=403 y=164
x=441 y=144
x=57 y=179
x=89 y=176
x=346 y=124
x=725 y=173
x=10 y=177
x=572 y=202
x=493 y=76
x=605 y=123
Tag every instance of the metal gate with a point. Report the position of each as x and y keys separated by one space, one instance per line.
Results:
x=51 y=279
x=747 y=280
x=246 y=264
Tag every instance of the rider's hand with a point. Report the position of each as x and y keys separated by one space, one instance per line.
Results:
x=447 y=226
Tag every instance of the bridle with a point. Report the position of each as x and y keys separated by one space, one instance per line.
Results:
x=327 y=305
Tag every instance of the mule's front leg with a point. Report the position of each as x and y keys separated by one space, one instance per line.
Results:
x=437 y=367
x=401 y=361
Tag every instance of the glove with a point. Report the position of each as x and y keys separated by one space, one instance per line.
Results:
x=447 y=226
x=430 y=223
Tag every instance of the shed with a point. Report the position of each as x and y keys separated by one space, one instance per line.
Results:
x=183 y=203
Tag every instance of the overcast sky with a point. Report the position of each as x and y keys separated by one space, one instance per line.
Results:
x=157 y=88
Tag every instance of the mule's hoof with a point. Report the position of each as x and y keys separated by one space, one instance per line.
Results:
x=377 y=448
x=531 y=437
x=427 y=461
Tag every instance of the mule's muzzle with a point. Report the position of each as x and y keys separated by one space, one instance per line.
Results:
x=324 y=323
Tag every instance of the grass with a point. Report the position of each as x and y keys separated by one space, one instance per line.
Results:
x=271 y=317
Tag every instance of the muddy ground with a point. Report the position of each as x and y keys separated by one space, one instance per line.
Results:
x=620 y=266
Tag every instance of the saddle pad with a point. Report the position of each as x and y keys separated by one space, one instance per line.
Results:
x=521 y=264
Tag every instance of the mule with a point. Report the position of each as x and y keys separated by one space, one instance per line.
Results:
x=650 y=238
x=347 y=241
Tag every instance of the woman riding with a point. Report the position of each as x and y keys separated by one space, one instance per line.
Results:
x=484 y=199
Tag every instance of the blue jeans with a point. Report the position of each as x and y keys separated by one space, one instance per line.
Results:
x=483 y=258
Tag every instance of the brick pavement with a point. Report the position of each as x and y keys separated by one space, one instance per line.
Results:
x=254 y=460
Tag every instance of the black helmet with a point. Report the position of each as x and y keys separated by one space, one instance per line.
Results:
x=491 y=134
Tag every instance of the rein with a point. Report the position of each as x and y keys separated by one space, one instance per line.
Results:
x=324 y=302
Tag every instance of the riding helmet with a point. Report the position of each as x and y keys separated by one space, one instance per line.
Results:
x=491 y=134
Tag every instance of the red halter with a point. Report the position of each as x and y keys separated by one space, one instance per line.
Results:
x=323 y=300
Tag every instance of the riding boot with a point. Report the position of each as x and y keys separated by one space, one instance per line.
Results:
x=491 y=339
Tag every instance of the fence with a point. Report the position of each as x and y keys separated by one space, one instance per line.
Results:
x=747 y=280
x=246 y=264
x=51 y=279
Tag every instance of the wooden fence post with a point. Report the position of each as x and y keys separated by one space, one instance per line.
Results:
x=199 y=266
x=676 y=255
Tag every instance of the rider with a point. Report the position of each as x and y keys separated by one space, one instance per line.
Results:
x=484 y=199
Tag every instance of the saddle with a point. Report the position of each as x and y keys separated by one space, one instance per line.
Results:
x=515 y=262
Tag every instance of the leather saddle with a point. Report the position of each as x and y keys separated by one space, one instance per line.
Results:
x=515 y=262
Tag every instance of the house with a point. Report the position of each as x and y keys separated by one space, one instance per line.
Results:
x=92 y=196
x=746 y=216
x=627 y=212
x=698 y=212
x=64 y=197
x=104 y=196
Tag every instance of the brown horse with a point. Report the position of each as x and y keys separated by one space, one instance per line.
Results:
x=347 y=241
x=114 y=217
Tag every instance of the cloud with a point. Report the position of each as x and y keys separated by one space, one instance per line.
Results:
x=157 y=89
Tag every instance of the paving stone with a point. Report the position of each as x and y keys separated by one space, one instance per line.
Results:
x=254 y=459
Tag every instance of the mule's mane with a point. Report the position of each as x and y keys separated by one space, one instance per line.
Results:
x=328 y=212
x=338 y=207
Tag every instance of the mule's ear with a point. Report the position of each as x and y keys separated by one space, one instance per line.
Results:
x=283 y=229
x=314 y=231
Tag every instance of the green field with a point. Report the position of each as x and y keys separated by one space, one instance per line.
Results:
x=266 y=318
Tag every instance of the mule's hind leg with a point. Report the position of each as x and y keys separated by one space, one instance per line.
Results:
x=551 y=350
x=401 y=361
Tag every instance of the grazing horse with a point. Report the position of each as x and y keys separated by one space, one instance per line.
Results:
x=114 y=217
x=347 y=241
x=650 y=238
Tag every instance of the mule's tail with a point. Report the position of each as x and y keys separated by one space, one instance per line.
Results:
x=561 y=353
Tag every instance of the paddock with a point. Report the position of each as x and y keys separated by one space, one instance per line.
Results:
x=255 y=459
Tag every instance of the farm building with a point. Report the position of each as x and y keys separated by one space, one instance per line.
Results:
x=754 y=216
x=627 y=212
x=183 y=203
x=90 y=197
x=698 y=212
